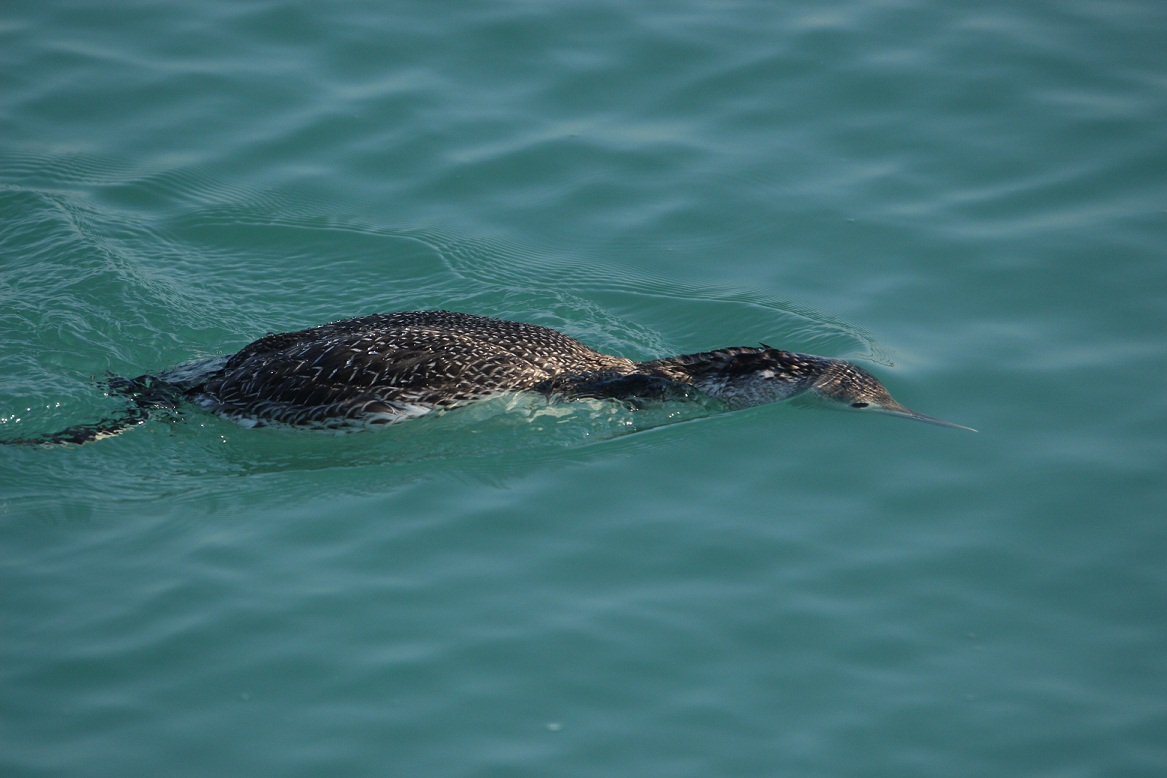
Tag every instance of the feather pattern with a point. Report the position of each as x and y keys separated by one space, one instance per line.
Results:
x=388 y=367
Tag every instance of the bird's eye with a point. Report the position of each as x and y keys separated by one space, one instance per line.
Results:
x=859 y=405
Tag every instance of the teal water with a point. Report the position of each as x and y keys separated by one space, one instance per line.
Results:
x=968 y=198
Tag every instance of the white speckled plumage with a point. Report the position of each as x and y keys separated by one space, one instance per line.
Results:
x=388 y=367
x=384 y=368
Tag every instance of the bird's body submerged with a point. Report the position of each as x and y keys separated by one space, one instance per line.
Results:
x=384 y=368
x=388 y=367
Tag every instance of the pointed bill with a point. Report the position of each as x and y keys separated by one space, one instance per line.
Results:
x=908 y=413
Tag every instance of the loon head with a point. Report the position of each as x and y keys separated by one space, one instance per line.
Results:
x=842 y=383
x=743 y=377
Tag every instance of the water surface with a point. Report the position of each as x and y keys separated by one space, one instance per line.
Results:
x=966 y=198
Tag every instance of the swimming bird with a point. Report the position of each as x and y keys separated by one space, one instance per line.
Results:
x=388 y=367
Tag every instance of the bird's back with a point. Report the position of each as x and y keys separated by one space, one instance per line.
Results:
x=385 y=367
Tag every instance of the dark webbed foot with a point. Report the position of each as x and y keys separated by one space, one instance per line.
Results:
x=146 y=391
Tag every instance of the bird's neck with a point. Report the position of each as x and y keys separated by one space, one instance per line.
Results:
x=744 y=375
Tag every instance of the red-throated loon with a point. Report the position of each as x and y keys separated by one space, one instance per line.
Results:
x=389 y=367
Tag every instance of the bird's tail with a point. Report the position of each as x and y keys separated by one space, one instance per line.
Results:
x=145 y=393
